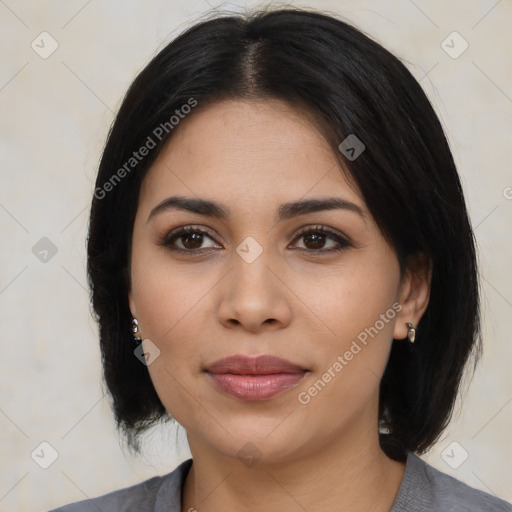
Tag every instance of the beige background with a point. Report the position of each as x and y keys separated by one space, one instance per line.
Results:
x=55 y=115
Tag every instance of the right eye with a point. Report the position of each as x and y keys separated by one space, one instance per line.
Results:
x=188 y=240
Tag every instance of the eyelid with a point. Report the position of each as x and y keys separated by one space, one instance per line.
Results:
x=189 y=228
x=335 y=235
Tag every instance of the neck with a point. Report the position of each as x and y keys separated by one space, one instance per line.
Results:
x=347 y=474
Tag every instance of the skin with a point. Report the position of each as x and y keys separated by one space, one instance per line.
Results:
x=252 y=156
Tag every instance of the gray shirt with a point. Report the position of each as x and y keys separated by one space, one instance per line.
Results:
x=422 y=489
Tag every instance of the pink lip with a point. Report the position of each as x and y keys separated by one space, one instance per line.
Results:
x=254 y=378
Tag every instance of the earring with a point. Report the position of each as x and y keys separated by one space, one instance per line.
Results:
x=135 y=329
x=412 y=332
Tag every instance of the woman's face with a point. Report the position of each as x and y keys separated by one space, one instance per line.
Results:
x=274 y=275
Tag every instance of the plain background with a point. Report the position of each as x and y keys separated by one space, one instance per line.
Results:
x=55 y=115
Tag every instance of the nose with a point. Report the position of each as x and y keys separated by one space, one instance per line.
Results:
x=254 y=296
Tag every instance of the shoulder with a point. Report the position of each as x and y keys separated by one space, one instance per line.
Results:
x=425 y=488
x=160 y=493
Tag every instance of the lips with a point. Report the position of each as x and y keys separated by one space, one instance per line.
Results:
x=254 y=378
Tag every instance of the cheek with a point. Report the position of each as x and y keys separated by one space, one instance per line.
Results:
x=168 y=300
x=356 y=304
x=164 y=302
x=165 y=293
x=349 y=300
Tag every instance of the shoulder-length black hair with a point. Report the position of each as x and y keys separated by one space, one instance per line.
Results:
x=406 y=174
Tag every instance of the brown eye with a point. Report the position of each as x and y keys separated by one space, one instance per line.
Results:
x=321 y=240
x=314 y=241
x=192 y=240
x=189 y=240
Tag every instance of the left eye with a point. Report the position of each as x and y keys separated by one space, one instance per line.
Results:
x=322 y=240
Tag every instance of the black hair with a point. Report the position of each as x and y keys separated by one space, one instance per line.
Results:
x=406 y=175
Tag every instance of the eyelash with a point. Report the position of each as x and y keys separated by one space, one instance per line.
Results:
x=343 y=242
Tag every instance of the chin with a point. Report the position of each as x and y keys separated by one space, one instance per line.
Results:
x=252 y=439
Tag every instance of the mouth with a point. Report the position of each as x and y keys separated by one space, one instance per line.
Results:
x=254 y=378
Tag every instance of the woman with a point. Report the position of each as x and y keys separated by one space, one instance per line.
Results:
x=281 y=260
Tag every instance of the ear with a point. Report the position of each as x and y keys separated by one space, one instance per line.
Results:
x=128 y=280
x=414 y=294
x=131 y=303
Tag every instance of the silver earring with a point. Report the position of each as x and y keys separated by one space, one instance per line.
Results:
x=135 y=329
x=411 y=334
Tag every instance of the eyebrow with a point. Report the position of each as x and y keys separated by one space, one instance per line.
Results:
x=286 y=210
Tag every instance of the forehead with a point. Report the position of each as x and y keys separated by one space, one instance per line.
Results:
x=259 y=149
